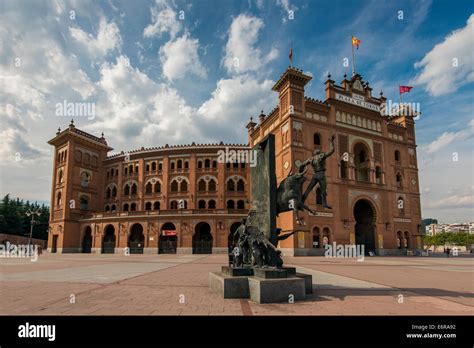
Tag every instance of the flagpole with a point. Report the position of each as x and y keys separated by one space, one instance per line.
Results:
x=353 y=58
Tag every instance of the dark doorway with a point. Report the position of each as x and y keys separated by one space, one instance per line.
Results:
x=233 y=228
x=108 y=245
x=87 y=241
x=54 y=247
x=168 y=240
x=136 y=240
x=364 y=228
x=202 y=239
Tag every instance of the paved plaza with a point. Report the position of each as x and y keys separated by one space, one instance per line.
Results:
x=85 y=284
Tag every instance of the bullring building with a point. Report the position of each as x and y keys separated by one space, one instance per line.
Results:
x=182 y=199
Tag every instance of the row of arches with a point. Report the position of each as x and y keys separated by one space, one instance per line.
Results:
x=174 y=204
x=167 y=243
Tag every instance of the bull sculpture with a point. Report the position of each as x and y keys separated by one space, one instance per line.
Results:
x=290 y=193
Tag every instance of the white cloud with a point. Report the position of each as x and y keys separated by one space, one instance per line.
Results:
x=240 y=54
x=108 y=39
x=447 y=138
x=180 y=58
x=463 y=200
x=439 y=74
x=163 y=19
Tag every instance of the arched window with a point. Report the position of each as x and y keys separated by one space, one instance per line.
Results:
x=87 y=159
x=133 y=207
x=84 y=203
x=180 y=164
x=343 y=169
x=94 y=161
x=186 y=164
x=160 y=166
x=202 y=204
x=407 y=240
x=235 y=165
x=130 y=169
x=242 y=165
x=85 y=178
x=230 y=185
x=126 y=190
x=240 y=204
x=230 y=204
x=326 y=236
x=172 y=166
x=173 y=205
x=153 y=166
x=148 y=206
x=202 y=185
x=114 y=191
x=136 y=169
x=212 y=185
x=108 y=193
x=397 y=155
x=78 y=156
x=113 y=207
x=60 y=176
x=157 y=187
x=156 y=206
x=147 y=168
x=317 y=139
x=134 y=189
x=184 y=186
x=148 y=188
x=227 y=165
x=125 y=207
x=378 y=175
x=199 y=164
x=125 y=171
x=361 y=162
x=207 y=163
x=211 y=204
x=107 y=208
x=399 y=240
x=316 y=238
x=399 y=180
x=240 y=185
x=214 y=164
x=174 y=186
x=58 y=199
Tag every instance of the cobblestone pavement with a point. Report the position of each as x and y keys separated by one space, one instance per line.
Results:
x=78 y=284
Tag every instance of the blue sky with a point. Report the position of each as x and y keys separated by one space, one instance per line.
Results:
x=164 y=72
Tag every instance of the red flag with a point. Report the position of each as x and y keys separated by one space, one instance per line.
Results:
x=405 y=89
x=291 y=55
x=355 y=42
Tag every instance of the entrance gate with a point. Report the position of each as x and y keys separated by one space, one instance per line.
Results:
x=202 y=239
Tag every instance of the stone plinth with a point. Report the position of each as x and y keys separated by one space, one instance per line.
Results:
x=237 y=272
x=276 y=290
x=229 y=286
x=271 y=273
x=308 y=281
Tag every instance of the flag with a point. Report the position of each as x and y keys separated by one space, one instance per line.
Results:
x=291 y=55
x=405 y=89
x=355 y=42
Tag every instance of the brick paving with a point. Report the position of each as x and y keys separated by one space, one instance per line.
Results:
x=79 y=284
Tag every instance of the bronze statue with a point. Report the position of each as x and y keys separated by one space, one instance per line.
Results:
x=289 y=193
x=318 y=162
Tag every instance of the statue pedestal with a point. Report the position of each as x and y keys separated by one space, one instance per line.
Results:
x=261 y=285
x=276 y=290
x=229 y=286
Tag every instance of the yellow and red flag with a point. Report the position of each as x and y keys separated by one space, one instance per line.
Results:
x=355 y=42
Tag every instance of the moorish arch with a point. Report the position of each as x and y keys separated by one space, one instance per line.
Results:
x=136 y=239
x=87 y=240
x=168 y=240
x=108 y=244
x=202 y=239
x=365 y=216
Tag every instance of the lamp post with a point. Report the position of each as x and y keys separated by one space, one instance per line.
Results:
x=31 y=213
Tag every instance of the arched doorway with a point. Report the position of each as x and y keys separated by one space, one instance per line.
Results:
x=168 y=240
x=230 y=240
x=361 y=162
x=364 y=227
x=136 y=240
x=202 y=239
x=108 y=245
x=87 y=240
